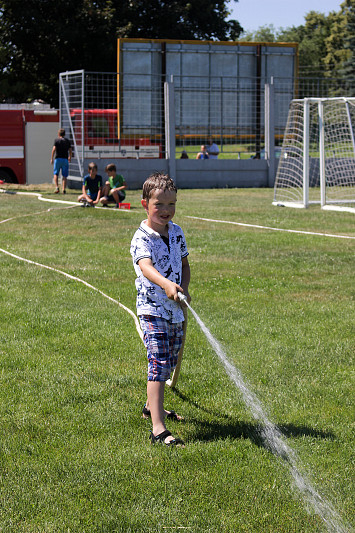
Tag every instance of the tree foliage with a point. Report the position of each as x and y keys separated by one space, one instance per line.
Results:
x=326 y=42
x=347 y=60
x=265 y=34
x=310 y=37
x=40 y=38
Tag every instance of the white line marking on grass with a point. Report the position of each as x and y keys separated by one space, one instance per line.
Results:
x=83 y=282
x=273 y=229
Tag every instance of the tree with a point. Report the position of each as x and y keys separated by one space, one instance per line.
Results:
x=196 y=19
x=340 y=58
x=41 y=38
x=265 y=34
x=326 y=46
x=312 y=42
x=326 y=43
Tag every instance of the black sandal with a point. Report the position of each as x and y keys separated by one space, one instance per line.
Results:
x=171 y=415
x=145 y=412
x=162 y=436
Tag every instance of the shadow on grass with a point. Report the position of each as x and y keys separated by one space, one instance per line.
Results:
x=209 y=431
x=226 y=426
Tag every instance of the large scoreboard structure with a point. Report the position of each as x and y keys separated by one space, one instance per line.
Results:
x=218 y=86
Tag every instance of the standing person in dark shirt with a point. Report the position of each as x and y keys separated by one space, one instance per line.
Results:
x=63 y=152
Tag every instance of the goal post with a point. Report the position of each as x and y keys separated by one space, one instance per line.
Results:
x=317 y=163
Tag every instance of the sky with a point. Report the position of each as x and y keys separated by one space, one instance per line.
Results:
x=252 y=14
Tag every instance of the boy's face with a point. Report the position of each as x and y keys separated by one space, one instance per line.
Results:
x=92 y=171
x=160 y=209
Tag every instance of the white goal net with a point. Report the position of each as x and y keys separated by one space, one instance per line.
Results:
x=317 y=163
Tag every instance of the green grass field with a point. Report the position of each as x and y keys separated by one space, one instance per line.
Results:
x=75 y=453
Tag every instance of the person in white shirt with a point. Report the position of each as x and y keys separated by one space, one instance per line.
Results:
x=212 y=149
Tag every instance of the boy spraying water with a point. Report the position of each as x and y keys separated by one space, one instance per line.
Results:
x=160 y=261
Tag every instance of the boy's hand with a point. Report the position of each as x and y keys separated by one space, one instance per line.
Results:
x=172 y=289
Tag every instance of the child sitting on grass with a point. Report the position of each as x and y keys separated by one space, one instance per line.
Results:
x=91 y=189
x=114 y=188
x=160 y=261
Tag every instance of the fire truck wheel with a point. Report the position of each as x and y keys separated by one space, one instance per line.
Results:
x=5 y=176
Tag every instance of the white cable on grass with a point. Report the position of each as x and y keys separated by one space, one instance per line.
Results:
x=301 y=232
x=273 y=229
x=37 y=213
x=138 y=328
x=74 y=204
x=39 y=196
x=55 y=200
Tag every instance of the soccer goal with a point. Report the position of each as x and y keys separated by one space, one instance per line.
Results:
x=317 y=163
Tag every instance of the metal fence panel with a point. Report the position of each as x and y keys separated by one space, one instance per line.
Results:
x=123 y=116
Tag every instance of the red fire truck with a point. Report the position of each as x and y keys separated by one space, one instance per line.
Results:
x=101 y=139
x=27 y=132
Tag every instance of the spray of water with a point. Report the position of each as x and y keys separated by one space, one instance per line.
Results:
x=275 y=440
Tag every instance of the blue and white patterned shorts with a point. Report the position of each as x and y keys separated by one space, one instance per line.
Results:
x=163 y=341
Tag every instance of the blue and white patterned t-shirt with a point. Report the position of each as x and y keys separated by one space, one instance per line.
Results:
x=167 y=260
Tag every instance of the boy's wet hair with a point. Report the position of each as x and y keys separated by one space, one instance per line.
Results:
x=110 y=167
x=157 y=181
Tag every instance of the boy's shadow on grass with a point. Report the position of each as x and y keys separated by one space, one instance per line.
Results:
x=231 y=428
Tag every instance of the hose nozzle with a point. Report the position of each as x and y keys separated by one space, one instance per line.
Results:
x=182 y=297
